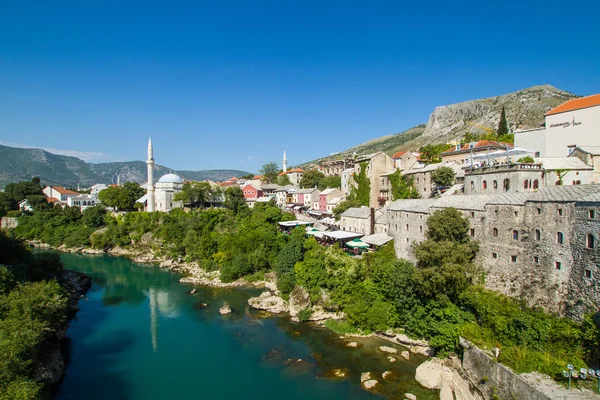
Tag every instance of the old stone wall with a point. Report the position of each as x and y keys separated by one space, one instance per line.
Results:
x=406 y=227
x=494 y=183
x=494 y=377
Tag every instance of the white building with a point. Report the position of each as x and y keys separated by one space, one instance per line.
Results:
x=97 y=188
x=83 y=201
x=572 y=124
x=159 y=197
x=59 y=193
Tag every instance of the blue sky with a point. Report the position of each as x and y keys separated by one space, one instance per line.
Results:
x=228 y=84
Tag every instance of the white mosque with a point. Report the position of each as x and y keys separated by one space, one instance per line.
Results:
x=159 y=197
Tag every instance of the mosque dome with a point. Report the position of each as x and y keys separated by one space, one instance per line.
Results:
x=170 y=178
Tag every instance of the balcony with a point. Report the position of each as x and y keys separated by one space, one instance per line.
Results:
x=492 y=169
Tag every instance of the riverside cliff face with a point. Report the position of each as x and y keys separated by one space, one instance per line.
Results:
x=524 y=109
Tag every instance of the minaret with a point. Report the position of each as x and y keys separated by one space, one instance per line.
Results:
x=284 y=162
x=150 y=164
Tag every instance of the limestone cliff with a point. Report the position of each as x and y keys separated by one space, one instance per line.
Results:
x=524 y=109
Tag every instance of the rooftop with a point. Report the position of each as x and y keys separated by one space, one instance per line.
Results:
x=62 y=190
x=569 y=163
x=480 y=145
x=576 y=104
x=357 y=212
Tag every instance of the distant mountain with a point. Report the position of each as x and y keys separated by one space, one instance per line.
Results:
x=18 y=164
x=524 y=109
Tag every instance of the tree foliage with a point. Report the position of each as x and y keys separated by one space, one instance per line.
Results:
x=431 y=153
x=283 y=180
x=402 y=186
x=502 y=124
x=443 y=176
x=122 y=198
x=315 y=178
x=269 y=171
x=361 y=191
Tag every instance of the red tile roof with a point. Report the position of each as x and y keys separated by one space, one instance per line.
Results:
x=52 y=200
x=481 y=144
x=62 y=190
x=226 y=184
x=257 y=176
x=298 y=170
x=398 y=154
x=576 y=104
x=233 y=179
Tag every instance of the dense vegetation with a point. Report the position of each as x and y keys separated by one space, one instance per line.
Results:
x=15 y=192
x=315 y=178
x=440 y=298
x=33 y=306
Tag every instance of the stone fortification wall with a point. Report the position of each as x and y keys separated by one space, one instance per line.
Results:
x=494 y=377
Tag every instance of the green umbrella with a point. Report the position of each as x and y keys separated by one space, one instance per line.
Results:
x=357 y=243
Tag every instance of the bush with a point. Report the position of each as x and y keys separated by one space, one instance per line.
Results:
x=304 y=314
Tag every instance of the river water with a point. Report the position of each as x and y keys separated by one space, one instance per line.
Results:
x=141 y=335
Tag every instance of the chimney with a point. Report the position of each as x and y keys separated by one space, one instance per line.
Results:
x=372 y=227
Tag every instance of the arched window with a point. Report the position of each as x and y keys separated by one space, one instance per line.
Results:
x=495 y=184
x=560 y=238
x=538 y=234
x=526 y=184
x=506 y=185
x=589 y=242
x=495 y=232
x=472 y=185
x=515 y=235
x=536 y=184
x=485 y=184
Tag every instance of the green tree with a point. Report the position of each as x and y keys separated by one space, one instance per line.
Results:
x=93 y=217
x=247 y=176
x=234 y=199
x=402 y=186
x=330 y=182
x=287 y=258
x=445 y=258
x=361 y=192
x=110 y=196
x=311 y=178
x=502 y=124
x=131 y=191
x=431 y=153
x=443 y=176
x=269 y=172
x=283 y=180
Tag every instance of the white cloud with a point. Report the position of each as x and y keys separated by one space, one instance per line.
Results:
x=253 y=157
x=87 y=156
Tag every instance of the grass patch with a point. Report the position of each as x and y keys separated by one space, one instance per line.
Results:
x=344 y=327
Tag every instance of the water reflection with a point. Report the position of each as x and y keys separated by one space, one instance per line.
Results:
x=142 y=335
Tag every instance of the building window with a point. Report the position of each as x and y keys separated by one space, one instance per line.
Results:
x=536 y=184
x=538 y=234
x=407 y=240
x=588 y=273
x=472 y=214
x=536 y=259
x=589 y=242
x=516 y=213
x=406 y=227
x=506 y=185
x=494 y=255
x=560 y=211
x=526 y=184
x=592 y=214
x=421 y=229
x=495 y=184
x=496 y=212
x=557 y=265
x=560 y=238
x=515 y=235
x=513 y=259
x=537 y=154
x=472 y=232
x=539 y=211
x=485 y=184
x=495 y=232
x=472 y=185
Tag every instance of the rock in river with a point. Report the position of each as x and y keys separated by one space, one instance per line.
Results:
x=225 y=309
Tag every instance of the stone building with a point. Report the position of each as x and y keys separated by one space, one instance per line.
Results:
x=376 y=165
x=356 y=219
x=591 y=156
x=541 y=247
x=422 y=176
x=406 y=160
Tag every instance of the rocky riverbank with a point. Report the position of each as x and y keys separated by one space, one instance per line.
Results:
x=49 y=366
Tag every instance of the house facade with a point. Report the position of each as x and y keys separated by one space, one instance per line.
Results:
x=59 y=193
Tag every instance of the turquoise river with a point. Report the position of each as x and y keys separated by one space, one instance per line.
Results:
x=140 y=334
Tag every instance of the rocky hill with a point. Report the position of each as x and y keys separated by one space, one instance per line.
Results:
x=18 y=164
x=524 y=109
x=389 y=144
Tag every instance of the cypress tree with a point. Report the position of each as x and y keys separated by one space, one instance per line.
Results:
x=502 y=125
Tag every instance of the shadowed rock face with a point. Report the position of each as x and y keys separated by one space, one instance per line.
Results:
x=524 y=109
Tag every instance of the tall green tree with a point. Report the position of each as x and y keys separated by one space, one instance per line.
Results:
x=269 y=171
x=445 y=259
x=234 y=199
x=502 y=124
x=283 y=180
x=311 y=178
x=443 y=176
